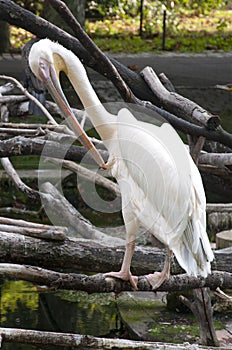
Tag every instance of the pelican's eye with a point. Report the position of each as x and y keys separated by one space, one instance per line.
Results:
x=44 y=69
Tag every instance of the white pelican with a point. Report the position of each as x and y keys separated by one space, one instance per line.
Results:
x=160 y=185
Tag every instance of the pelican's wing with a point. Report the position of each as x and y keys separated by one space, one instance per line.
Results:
x=158 y=166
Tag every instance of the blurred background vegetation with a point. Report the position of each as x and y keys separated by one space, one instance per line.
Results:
x=135 y=26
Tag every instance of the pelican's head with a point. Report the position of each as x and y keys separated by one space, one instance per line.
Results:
x=46 y=60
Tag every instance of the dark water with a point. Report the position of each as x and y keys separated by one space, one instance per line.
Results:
x=24 y=305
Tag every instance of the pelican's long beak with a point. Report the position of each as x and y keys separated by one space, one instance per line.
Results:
x=227 y=87
x=49 y=77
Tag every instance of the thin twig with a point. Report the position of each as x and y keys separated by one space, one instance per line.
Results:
x=28 y=95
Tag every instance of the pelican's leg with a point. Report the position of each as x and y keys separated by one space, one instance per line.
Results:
x=125 y=273
x=157 y=278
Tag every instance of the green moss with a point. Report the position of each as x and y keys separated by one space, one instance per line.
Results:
x=151 y=320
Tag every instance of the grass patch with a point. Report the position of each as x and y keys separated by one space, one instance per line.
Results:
x=186 y=32
x=191 y=42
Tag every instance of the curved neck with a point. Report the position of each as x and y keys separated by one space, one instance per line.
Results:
x=98 y=115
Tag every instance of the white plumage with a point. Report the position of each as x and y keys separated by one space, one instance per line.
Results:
x=160 y=185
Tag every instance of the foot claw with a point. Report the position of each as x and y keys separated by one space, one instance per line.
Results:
x=156 y=279
x=125 y=277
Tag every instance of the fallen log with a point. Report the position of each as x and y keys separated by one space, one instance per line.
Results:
x=57 y=233
x=219 y=207
x=19 y=146
x=224 y=239
x=178 y=104
x=219 y=221
x=90 y=256
x=100 y=283
x=78 y=341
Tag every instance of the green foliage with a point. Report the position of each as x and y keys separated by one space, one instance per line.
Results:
x=102 y=8
x=186 y=41
x=204 y=6
x=130 y=8
x=222 y=24
x=153 y=12
x=187 y=31
x=33 y=6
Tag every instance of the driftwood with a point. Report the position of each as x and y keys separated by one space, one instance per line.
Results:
x=79 y=341
x=178 y=104
x=218 y=160
x=100 y=283
x=56 y=204
x=91 y=256
x=57 y=233
x=201 y=308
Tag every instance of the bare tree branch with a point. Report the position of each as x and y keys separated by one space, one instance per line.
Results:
x=55 y=204
x=217 y=159
x=31 y=97
x=100 y=283
x=19 y=145
x=88 y=175
x=178 y=104
x=13 y=175
x=93 y=50
x=219 y=207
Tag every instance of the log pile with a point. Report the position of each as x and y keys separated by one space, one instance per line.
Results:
x=37 y=252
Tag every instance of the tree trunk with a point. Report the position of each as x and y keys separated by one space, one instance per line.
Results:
x=204 y=314
x=4 y=37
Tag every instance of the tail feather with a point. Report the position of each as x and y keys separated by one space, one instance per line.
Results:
x=194 y=253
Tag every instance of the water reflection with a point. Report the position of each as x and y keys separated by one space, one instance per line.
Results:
x=24 y=306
